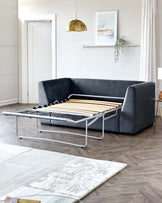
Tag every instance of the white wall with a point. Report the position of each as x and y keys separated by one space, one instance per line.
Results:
x=159 y=38
x=8 y=52
x=76 y=61
x=159 y=33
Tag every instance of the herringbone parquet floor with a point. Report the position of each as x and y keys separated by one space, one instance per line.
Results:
x=139 y=182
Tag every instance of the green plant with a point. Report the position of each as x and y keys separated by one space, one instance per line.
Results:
x=118 y=48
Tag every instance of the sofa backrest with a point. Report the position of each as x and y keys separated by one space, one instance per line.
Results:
x=51 y=90
x=114 y=88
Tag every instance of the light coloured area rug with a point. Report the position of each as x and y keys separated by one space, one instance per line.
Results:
x=26 y=171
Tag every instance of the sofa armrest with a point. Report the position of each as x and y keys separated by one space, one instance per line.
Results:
x=51 y=90
x=138 y=109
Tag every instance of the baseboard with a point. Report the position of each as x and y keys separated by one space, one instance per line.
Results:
x=8 y=102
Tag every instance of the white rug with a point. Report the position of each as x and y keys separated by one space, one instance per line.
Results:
x=26 y=171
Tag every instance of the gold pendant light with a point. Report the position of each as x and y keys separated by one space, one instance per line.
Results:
x=76 y=25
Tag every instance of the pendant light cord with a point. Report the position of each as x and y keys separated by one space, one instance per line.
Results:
x=76 y=9
x=76 y=25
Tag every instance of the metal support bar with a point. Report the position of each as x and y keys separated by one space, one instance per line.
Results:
x=95 y=96
x=111 y=116
x=37 y=124
x=78 y=134
x=53 y=140
x=21 y=114
x=17 y=126
x=37 y=116
x=94 y=120
x=86 y=133
x=66 y=132
x=103 y=128
x=61 y=132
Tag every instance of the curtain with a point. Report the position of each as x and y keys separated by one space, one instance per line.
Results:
x=148 y=70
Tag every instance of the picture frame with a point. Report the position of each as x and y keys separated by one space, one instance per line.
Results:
x=106 y=28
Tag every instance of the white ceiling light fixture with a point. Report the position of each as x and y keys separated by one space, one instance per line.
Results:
x=76 y=25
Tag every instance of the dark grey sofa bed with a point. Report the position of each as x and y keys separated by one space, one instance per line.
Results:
x=138 y=108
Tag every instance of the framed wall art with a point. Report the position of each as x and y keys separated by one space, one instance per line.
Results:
x=106 y=28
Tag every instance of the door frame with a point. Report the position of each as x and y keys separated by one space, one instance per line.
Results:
x=23 y=52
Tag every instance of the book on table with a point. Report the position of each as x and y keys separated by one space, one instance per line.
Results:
x=19 y=200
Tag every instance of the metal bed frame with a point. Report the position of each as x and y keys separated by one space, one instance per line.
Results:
x=95 y=96
x=36 y=113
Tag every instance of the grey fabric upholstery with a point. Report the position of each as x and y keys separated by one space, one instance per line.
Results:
x=138 y=108
x=110 y=124
x=116 y=88
x=51 y=90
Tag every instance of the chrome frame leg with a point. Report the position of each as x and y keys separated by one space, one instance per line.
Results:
x=82 y=135
x=103 y=130
x=53 y=140
x=17 y=127
x=37 y=124
x=63 y=132
x=86 y=134
x=103 y=127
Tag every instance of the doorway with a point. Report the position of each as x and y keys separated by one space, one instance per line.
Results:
x=39 y=56
x=33 y=54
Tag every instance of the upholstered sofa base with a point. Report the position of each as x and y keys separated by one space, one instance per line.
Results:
x=138 y=108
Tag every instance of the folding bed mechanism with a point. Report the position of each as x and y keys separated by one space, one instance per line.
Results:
x=74 y=111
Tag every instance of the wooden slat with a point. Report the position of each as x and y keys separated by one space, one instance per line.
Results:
x=86 y=107
x=82 y=106
x=106 y=103
x=68 y=110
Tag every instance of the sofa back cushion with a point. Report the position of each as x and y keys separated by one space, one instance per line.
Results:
x=114 y=88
